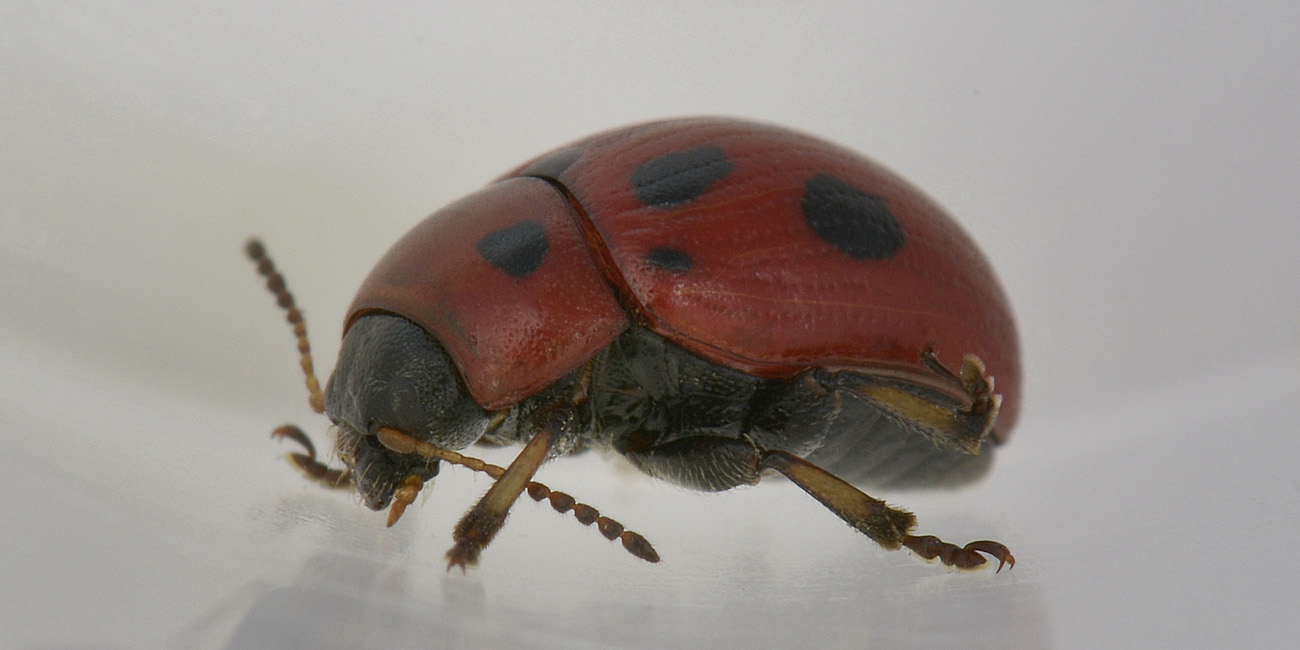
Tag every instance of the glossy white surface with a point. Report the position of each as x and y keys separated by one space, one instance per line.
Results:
x=1129 y=172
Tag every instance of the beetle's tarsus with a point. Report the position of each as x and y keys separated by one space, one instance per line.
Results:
x=962 y=557
x=472 y=536
x=307 y=463
x=972 y=377
x=463 y=555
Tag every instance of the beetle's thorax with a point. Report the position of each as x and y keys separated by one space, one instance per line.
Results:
x=392 y=373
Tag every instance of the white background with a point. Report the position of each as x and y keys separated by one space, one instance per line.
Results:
x=1131 y=172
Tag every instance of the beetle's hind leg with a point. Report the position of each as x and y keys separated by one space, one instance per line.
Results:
x=973 y=378
x=889 y=527
x=715 y=463
x=951 y=408
x=962 y=557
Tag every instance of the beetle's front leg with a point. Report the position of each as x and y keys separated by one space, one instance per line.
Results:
x=477 y=528
x=964 y=416
x=307 y=463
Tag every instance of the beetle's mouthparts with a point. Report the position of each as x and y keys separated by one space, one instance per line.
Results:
x=404 y=496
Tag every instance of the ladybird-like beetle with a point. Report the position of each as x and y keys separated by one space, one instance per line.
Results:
x=709 y=298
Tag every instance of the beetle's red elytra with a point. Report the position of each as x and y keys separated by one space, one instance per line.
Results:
x=707 y=297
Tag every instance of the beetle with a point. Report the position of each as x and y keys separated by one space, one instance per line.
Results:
x=710 y=298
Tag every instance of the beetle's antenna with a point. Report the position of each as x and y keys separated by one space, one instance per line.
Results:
x=635 y=544
x=306 y=462
x=275 y=283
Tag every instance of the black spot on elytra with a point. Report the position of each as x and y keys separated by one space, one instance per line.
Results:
x=517 y=250
x=670 y=259
x=858 y=223
x=680 y=176
x=553 y=164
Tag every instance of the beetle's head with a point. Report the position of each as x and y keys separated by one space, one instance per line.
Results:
x=393 y=374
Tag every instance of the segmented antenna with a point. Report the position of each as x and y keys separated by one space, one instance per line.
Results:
x=275 y=283
x=634 y=543
x=306 y=462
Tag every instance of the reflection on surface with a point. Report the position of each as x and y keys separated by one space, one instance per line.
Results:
x=746 y=572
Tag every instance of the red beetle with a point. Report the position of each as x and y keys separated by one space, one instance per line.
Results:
x=709 y=298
